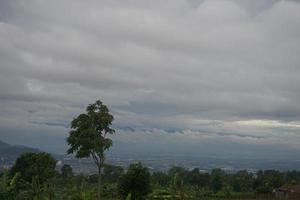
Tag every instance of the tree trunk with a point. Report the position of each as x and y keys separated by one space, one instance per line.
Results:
x=132 y=196
x=99 y=183
x=51 y=190
x=36 y=188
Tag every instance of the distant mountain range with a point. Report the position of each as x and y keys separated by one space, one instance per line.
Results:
x=9 y=153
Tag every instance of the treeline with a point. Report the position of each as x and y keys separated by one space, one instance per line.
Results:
x=36 y=176
x=222 y=184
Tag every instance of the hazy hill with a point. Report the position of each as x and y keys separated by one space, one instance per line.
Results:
x=9 y=153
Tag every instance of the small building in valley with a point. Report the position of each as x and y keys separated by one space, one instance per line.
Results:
x=289 y=191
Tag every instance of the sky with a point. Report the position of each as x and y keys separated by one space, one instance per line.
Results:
x=218 y=77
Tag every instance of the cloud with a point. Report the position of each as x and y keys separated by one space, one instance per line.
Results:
x=229 y=69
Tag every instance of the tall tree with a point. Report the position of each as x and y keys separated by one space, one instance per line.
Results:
x=216 y=179
x=89 y=136
x=136 y=182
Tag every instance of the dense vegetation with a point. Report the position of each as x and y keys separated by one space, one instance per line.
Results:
x=34 y=176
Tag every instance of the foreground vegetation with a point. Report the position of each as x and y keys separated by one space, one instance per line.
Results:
x=35 y=176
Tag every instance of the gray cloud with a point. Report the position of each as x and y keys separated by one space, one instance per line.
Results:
x=172 y=66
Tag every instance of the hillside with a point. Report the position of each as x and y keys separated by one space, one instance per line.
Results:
x=9 y=153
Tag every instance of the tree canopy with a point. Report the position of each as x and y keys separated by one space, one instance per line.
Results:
x=135 y=182
x=89 y=132
x=39 y=165
x=89 y=135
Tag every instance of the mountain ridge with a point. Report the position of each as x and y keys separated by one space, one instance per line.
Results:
x=9 y=153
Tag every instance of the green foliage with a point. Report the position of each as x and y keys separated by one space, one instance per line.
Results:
x=242 y=181
x=29 y=174
x=196 y=178
x=225 y=192
x=5 y=189
x=110 y=190
x=78 y=189
x=89 y=131
x=38 y=165
x=267 y=181
x=177 y=170
x=112 y=173
x=216 y=180
x=89 y=136
x=292 y=177
x=160 y=194
x=17 y=184
x=136 y=182
x=66 y=172
x=178 y=183
x=160 y=179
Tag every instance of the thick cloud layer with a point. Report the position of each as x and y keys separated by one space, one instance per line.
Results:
x=175 y=71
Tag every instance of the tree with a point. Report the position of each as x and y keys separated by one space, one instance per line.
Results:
x=179 y=177
x=35 y=168
x=177 y=170
x=160 y=178
x=242 y=181
x=66 y=171
x=216 y=179
x=5 y=190
x=89 y=136
x=178 y=184
x=136 y=182
x=112 y=173
x=274 y=178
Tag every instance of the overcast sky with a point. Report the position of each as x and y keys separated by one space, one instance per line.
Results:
x=182 y=74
